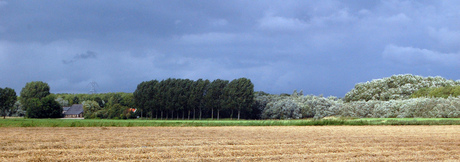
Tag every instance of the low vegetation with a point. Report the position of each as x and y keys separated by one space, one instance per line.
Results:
x=19 y=122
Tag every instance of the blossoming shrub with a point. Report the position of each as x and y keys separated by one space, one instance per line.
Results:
x=296 y=107
x=395 y=87
x=380 y=98
x=410 y=108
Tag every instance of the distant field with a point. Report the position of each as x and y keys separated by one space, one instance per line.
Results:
x=286 y=143
x=21 y=122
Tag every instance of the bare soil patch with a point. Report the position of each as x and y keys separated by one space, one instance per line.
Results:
x=338 y=143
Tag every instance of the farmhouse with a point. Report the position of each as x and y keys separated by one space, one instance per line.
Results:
x=65 y=109
x=75 y=111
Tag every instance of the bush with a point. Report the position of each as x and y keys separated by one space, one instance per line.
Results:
x=283 y=109
x=297 y=106
x=395 y=87
x=317 y=107
x=410 y=108
x=444 y=92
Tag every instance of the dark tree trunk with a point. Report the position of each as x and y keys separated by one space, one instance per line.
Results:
x=188 y=114
x=212 y=114
x=218 y=114
x=231 y=115
x=194 y=112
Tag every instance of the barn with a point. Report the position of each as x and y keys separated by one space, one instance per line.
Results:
x=75 y=111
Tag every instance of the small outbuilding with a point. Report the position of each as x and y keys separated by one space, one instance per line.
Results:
x=75 y=111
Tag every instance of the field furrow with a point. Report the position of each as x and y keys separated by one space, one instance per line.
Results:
x=375 y=143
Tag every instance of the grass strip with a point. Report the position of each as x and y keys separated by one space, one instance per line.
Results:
x=21 y=122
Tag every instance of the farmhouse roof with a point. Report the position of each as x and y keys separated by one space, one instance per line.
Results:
x=65 y=108
x=75 y=109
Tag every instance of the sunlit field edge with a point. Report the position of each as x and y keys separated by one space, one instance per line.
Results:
x=24 y=122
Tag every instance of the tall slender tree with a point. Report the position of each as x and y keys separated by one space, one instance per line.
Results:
x=215 y=96
x=197 y=93
x=239 y=94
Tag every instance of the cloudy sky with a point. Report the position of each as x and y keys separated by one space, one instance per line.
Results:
x=320 y=47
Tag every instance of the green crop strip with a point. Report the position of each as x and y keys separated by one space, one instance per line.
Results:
x=20 y=122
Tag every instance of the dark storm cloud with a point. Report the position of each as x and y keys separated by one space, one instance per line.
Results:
x=321 y=47
x=82 y=56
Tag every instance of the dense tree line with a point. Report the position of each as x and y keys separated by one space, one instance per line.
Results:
x=68 y=99
x=102 y=105
x=184 y=98
x=36 y=101
x=395 y=96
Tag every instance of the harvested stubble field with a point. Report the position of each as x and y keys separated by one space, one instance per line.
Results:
x=290 y=143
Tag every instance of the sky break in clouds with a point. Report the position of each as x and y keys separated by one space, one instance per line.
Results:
x=320 y=47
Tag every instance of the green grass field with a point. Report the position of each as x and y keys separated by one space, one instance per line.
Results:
x=21 y=122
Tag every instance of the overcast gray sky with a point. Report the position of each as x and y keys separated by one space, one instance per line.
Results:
x=320 y=47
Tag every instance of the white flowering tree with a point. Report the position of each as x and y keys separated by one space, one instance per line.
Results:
x=394 y=87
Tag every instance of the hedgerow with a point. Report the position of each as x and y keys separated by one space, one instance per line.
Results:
x=382 y=98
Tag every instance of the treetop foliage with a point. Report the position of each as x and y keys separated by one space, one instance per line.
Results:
x=7 y=100
x=101 y=105
x=444 y=92
x=175 y=96
x=36 y=89
x=395 y=87
x=38 y=101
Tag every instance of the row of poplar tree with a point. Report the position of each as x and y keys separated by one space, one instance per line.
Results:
x=184 y=98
